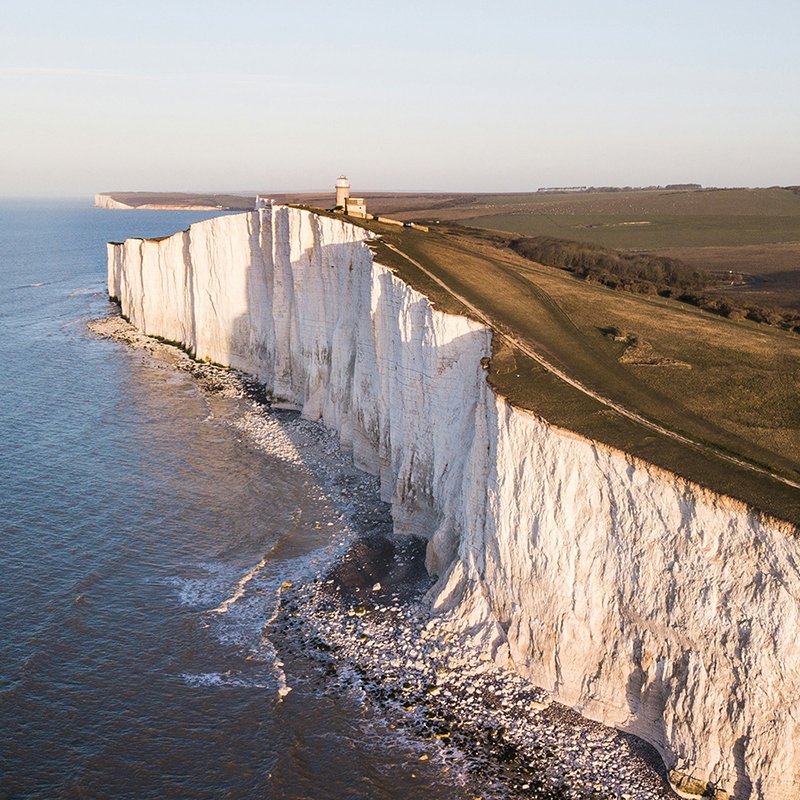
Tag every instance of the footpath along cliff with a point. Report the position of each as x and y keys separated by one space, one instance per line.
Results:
x=640 y=600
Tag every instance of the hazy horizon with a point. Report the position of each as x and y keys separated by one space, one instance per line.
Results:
x=89 y=198
x=456 y=97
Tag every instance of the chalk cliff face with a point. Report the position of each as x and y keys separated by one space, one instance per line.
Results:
x=639 y=599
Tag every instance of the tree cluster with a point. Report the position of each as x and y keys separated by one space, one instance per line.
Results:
x=612 y=267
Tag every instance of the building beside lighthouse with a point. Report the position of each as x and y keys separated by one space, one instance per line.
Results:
x=352 y=206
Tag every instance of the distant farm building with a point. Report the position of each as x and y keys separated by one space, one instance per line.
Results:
x=561 y=189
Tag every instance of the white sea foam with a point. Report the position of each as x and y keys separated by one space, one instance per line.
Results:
x=198 y=592
x=254 y=600
x=228 y=678
x=223 y=607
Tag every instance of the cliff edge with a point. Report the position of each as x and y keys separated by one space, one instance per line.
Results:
x=632 y=595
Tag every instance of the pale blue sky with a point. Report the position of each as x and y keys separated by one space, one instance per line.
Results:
x=461 y=96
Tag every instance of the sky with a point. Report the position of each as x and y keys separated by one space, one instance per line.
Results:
x=415 y=96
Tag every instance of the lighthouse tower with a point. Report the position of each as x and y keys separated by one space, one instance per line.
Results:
x=342 y=191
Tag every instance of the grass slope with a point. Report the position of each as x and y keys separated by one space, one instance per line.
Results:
x=731 y=385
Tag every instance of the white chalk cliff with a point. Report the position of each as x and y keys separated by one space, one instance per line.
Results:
x=107 y=201
x=639 y=599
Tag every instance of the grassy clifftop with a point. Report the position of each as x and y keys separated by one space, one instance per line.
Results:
x=731 y=388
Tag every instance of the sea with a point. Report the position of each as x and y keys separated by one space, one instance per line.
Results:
x=135 y=654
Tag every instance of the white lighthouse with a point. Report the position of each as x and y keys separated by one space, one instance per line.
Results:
x=342 y=191
x=352 y=206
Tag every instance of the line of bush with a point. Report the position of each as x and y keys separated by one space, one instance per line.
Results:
x=642 y=273
x=585 y=258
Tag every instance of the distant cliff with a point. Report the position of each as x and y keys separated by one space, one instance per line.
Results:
x=172 y=200
x=639 y=599
x=107 y=201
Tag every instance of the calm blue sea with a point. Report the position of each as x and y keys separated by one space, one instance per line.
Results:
x=125 y=516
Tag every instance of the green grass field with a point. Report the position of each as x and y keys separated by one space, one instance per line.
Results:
x=645 y=220
x=652 y=232
x=754 y=232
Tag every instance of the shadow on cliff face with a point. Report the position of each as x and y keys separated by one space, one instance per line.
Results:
x=646 y=701
x=293 y=333
x=743 y=786
x=325 y=332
